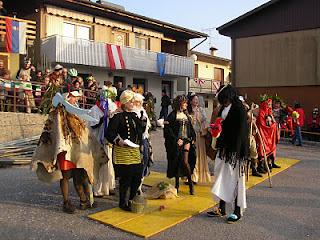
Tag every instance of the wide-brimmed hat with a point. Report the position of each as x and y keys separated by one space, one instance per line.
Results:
x=58 y=67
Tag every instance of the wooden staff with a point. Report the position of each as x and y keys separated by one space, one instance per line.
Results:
x=264 y=155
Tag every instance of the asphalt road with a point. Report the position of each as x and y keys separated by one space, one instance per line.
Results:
x=30 y=209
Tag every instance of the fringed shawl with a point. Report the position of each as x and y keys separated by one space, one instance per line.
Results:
x=233 y=143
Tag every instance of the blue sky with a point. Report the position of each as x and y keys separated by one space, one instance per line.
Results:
x=196 y=15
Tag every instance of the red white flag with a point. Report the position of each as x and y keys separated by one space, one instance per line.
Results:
x=114 y=57
x=216 y=85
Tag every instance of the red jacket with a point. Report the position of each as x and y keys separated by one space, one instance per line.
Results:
x=301 y=116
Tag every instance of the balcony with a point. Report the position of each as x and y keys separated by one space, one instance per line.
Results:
x=79 y=51
x=204 y=85
x=30 y=31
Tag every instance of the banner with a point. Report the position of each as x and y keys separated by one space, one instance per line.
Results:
x=161 y=63
x=114 y=57
x=16 y=36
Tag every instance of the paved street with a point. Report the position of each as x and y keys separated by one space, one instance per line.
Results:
x=30 y=209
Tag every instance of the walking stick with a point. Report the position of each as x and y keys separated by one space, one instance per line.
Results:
x=264 y=155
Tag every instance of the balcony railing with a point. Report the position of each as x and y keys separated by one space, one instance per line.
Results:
x=79 y=51
x=204 y=85
x=31 y=28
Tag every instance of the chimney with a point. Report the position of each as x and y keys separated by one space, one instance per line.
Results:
x=213 y=51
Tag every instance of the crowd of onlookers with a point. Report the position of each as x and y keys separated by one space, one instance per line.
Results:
x=27 y=88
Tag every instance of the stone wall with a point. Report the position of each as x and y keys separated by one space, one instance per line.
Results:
x=15 y=126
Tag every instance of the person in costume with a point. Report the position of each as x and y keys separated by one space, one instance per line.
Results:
x=67 y=150
x=179 y=142
x=201 y=173
x=268 y=129
x=298 y=123
x=147 y=148
x=233 y=147
x=103 y=111
x=125 y=131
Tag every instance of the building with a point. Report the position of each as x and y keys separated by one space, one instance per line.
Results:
x=210 y=71
x=276 y=50
x=111 y=43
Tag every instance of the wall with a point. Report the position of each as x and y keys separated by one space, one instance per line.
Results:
x=15 y=126
x=308 y=96
x=286 y=59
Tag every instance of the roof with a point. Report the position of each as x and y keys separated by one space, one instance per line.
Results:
x=246 y=15
x=126 y=16
x=203 y=57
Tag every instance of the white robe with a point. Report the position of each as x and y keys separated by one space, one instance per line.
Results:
x=104 y=173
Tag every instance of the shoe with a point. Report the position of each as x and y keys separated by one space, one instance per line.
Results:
x=261 y=170
x=68 y=207
x=84 y=205
x=125 y=208
x=255 y=173
x=216 y=212
x=275 y=165
x=300 y=145
x=233 y=218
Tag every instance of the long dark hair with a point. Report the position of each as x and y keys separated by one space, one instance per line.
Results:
x=177 y=102
x=228 y=93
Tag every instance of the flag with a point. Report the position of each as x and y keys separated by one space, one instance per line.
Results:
x=161 y=63
x=114 y=57
x=16 y=36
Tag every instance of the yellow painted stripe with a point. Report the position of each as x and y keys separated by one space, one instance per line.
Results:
x=153 y=221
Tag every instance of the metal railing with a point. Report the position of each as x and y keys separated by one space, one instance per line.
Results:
x=26 y=96
x=204 y=85
x=86 y=52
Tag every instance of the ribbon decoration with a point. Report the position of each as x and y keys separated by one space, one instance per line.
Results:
x=199 y=81
x=105 y=106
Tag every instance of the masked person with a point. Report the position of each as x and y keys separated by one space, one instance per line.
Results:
x=233 y=148
x=67 y=150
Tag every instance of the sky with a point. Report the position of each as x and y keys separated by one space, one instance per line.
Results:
x=199 y=15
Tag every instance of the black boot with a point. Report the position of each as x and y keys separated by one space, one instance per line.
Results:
x=177 y=184
x=274 y=165
x=191 y=189
x=255 y=172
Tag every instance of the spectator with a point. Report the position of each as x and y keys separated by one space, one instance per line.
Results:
x=47 y=72
x=27 y=70
x=65 y=76
x=298 y=124
x=314 y=121
x=26 y=96
x=3 y=11
x=120 y=89
x=165 y=103
x=91 y=95
x=2 y=69
x=55 y=76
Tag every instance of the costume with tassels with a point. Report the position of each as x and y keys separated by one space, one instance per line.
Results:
x=233 y=147
x=67 y=150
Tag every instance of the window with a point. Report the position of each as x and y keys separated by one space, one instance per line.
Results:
x=76 y=31
x=120 y=39
x=69 y=30
x=196 y=71
x=218 y=74
x=138 y=85
x=83 y=32
x=141 y=43
x=206 y=103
